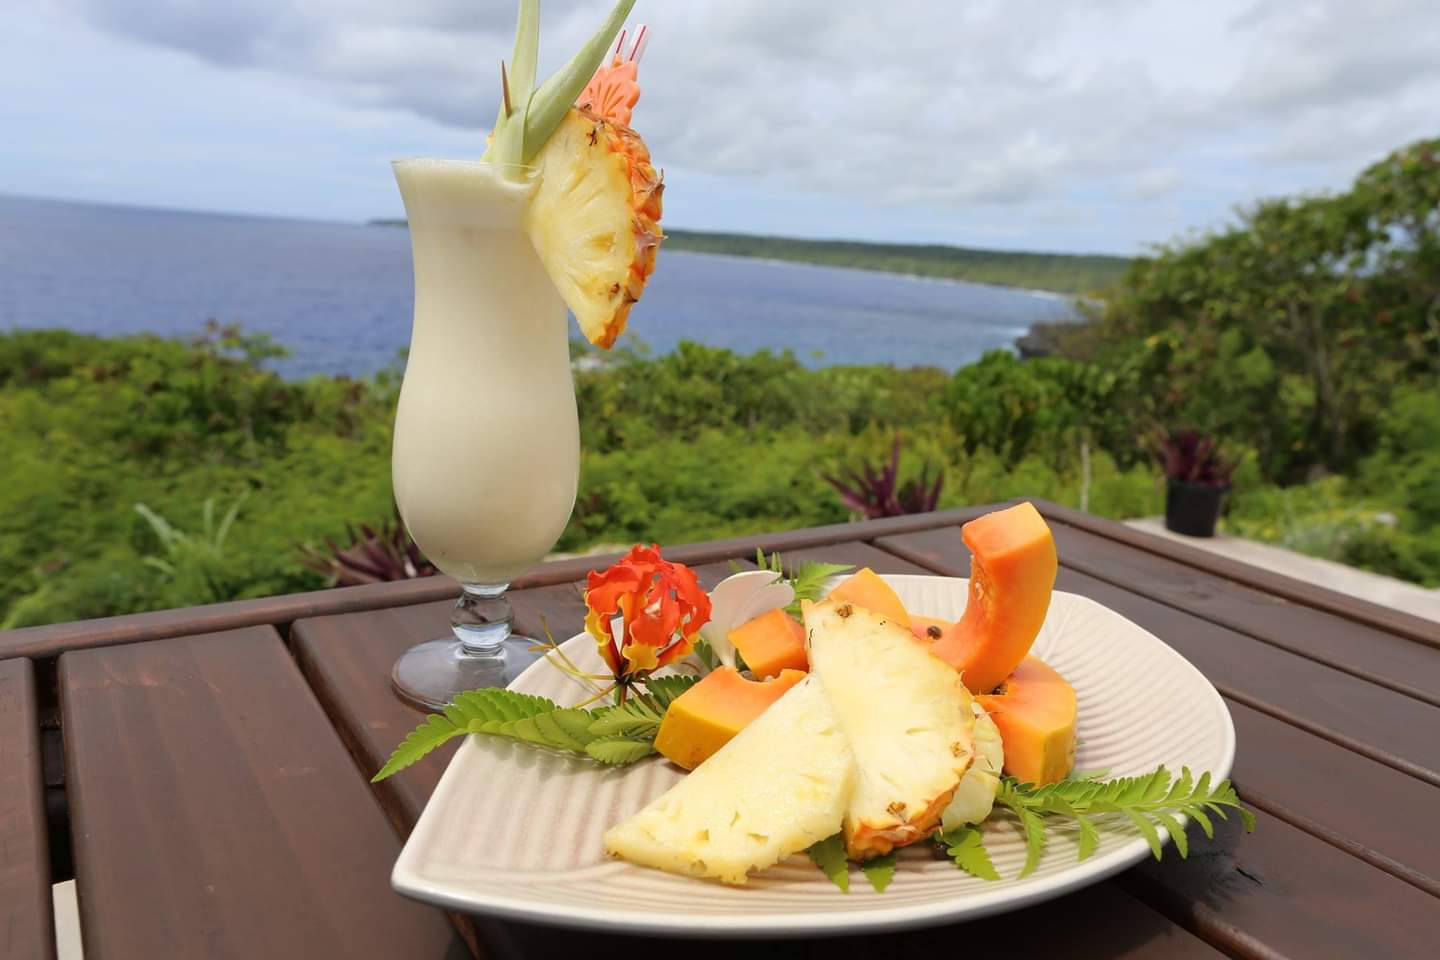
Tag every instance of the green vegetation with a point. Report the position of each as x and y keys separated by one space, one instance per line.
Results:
x=139 y=473
x=696 y=444
x=1060 y=272
x=1307 y=336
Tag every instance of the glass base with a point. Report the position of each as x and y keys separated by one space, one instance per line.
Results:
x=431 y=673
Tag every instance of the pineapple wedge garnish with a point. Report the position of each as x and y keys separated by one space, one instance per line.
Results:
x=908 y=718
x=781 y=785
x=595 y=220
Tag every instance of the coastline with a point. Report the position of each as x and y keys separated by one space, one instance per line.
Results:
x=1051 y=295
x=876 y=257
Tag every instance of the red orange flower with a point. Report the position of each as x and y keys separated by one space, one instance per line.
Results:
x=659 y=605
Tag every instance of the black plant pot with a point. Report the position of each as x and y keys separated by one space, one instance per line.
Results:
x=1193 y=508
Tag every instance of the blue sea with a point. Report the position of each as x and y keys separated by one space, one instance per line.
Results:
x=338 y=295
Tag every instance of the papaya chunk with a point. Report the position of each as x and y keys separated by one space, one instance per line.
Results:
x=929 y=629
x=1012 y=574
x=866 y=589
x=771 y=643
x=1035 y=712
x=704 y=718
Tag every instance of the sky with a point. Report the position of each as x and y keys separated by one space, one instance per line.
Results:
x=1106 y=126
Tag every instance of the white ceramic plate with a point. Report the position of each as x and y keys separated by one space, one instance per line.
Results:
x=515 y=832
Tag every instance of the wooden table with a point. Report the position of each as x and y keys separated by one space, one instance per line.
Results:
x=204 y=772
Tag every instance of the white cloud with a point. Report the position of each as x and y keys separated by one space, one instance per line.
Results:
x=1033 y=107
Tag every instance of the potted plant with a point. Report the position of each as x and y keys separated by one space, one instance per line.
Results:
x=1197 y=479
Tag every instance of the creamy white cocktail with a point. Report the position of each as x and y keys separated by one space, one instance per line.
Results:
x=486 y=453
x=560 y=212
x=487 y=444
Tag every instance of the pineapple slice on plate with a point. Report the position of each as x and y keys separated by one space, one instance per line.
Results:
x=975 y=796
x=595 y=220
x=781 y=785
x=908 y=718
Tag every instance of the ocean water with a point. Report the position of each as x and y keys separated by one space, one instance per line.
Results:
x=339 y=295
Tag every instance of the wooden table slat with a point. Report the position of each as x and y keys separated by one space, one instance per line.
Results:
x=1358 y=649
x=216 y=813
x=1342 y=605
x=27 y=926
x=1351 y=801
x=1280 y=892
x=51 y=640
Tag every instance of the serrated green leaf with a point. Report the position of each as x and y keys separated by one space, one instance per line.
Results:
x=1198 y=815
x=636 y=718
x=554 y=734
x=525 y=729
x=806 y=580
x=879 y=871
x=466 y=704
x=706 y=653
x=1034 y=829
x=1089 y=837
x=575 y=723
x=829 y=856
x=618 y=750
x=1144 y=800
x=966 y=846
x=431 y=733
x=1147 y=830
x=1177 y=833
x=666 y=690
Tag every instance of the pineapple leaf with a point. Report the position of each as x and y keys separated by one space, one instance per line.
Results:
x=619 y=750
x=966 y=847
x=879 y=871
x=829 y=856
x=553 y=98
x=509 y=144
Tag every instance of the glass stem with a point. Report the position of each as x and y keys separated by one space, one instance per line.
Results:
x=482 y=619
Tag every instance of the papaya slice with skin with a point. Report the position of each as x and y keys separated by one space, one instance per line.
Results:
x=866 y=589
x=929 y=629
x=707 y=716
x=1035 y=712
x=1012 y=575
x=771 y=643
